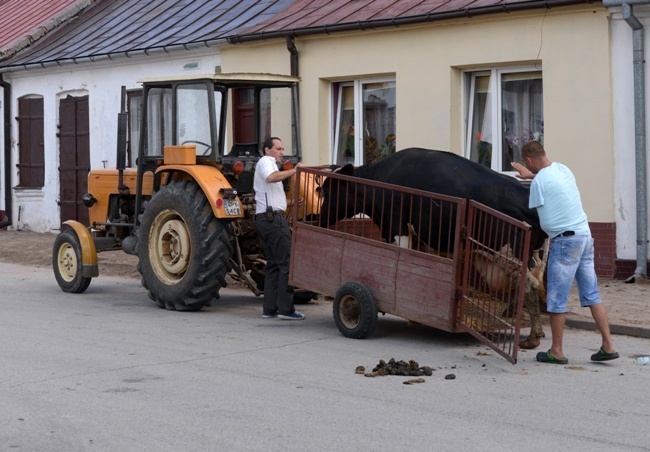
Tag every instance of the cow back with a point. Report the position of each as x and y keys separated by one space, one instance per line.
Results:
x=450 y=174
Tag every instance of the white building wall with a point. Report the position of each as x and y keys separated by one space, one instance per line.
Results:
x=624 y=132
x=38 y=209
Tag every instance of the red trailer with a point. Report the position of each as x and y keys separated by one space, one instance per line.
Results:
x=460 y=266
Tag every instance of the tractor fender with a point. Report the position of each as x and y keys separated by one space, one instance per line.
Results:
x=90 y=268
x=211 y=181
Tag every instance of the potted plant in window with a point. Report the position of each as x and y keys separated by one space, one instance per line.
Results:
x=347 y=132
x=374 y=153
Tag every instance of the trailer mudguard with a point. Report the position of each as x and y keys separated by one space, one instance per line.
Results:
x=89 y=266
x=211 y=181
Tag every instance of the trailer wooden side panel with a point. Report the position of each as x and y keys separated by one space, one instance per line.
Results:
x=425 y=290
x=324 y=259
x=375 y=266
x=316 y=259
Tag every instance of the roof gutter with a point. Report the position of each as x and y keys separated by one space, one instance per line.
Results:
x=639 y=133
x=402 y=21
x=113 y=56
x=6 y=88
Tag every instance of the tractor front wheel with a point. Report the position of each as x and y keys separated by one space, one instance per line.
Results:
x=67 y=263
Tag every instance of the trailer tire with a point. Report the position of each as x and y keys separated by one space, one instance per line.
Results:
x=355 y=310
x=67 y=263
x=183 y=249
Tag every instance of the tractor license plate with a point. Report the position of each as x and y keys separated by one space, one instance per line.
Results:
x=232 y=207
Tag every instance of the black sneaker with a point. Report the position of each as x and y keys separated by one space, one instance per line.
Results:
x=295 y=315
x=269 y=315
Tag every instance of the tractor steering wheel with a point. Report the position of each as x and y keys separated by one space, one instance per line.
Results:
x=207 y=146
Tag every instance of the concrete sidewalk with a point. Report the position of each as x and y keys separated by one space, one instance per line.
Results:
x=628 y=307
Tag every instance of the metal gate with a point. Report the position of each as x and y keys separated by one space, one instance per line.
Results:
x=495 y=257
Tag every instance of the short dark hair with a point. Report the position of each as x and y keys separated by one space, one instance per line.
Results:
x=268 y=143
x=532 y=149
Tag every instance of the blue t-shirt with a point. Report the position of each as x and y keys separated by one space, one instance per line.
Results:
x=555 y=195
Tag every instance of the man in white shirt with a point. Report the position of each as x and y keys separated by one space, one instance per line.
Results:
x=555 y=195
x=273 y=231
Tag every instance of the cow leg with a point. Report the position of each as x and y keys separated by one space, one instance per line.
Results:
x=531 y=304
x=534 y=295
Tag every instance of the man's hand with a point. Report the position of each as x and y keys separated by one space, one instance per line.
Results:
x=524 y=173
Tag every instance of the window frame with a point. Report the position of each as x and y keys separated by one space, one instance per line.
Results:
x=336 y=90
x=495 y=80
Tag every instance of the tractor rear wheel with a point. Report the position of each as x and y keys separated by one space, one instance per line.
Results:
x=67 y=263
x=355 y=310
x=183 y=248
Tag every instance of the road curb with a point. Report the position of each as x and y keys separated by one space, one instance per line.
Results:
x=625 y=330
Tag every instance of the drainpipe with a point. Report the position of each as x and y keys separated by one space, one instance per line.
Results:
x=6 y=88
x=293 y=58
x=639 y=142
x=640 y=134
x=291 y=47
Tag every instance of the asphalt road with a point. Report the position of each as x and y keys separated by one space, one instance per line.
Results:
x=107 y=370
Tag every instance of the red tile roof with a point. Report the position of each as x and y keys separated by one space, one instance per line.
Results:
x=24 y=21
x=317 y=16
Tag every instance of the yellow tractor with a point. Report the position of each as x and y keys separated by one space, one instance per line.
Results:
x=186 y=206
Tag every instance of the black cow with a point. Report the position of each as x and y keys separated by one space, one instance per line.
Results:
x=438 y=172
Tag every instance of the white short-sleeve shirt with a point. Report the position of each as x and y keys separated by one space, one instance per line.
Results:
x=268 y=193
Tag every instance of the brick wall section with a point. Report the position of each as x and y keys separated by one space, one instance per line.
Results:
x=605 y=248
x=624 y=268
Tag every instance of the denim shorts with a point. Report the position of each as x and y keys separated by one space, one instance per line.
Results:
x=571 y=258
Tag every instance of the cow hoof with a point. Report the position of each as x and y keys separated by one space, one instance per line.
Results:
x=529 y=343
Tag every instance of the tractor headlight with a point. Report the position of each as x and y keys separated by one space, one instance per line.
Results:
x=88 y=200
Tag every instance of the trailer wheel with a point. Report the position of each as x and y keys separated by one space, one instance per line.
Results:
x=355 y=310
x=67 y=263
x=184 y=250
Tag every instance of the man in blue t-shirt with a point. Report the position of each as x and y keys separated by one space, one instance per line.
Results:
x=555 y=195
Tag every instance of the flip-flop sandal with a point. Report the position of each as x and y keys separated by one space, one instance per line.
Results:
x=602 y=355
x=546 y=357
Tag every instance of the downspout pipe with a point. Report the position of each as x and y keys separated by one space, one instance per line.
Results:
x=293 y=58
x=639 y=142
x=639 y=133
x=6 y=88
x=295 y=116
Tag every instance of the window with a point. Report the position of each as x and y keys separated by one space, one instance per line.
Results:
x=504 y=109
x=193 y=117
x=134 y=111
x=364 y=121
x=159 y=121
x=274 y=107
x=31 y=158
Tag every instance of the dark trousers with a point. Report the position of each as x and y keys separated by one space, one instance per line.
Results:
x=275 y=237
